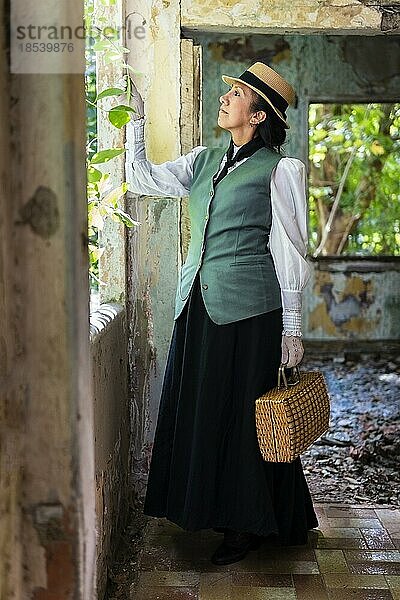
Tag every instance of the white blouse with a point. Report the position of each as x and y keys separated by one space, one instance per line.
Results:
x=288 y=235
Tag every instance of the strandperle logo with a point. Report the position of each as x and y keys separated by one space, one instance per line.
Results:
x=66 y=32
x=43 y=40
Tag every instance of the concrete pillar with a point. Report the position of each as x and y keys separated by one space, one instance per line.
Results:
x=47 y=527
x=154 y=246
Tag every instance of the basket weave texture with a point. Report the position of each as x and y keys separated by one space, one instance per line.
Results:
x=289 y=420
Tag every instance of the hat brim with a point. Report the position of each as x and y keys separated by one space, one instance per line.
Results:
x=232 y=80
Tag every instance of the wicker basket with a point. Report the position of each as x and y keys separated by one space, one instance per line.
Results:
x=289 y=420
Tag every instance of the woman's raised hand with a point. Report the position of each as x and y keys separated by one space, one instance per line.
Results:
x=134 y=99
x=292 y=351
x=136 y=102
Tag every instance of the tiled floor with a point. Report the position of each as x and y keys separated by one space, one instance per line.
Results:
x=355 y=553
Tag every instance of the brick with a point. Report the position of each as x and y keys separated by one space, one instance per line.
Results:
x=375 y=568
x=215 y=586
x=261 y=580
x=343 y=580
x=359 y=594
x=331 y=561
x=373 y=555
x=252 y=593
x=168 y=578
x=341 y=543
x=354 y=522
x=310 y=587
x=165 y=593
x=378 y=539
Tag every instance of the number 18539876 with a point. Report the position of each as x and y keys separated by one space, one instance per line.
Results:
x=46 y=47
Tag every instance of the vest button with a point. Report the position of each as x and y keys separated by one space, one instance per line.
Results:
x=204 y=286
x=211 y=192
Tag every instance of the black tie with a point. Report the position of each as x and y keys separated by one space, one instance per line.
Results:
x=244 y=151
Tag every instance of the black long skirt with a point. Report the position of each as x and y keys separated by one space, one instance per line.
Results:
x=206 y=468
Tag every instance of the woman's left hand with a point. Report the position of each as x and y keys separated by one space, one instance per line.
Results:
x=292 y=350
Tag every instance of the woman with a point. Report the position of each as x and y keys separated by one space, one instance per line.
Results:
x=237 y=316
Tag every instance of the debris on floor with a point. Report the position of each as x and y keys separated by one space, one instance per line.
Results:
x=358 y=459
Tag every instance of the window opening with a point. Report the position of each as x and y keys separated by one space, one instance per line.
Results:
x=354 y=184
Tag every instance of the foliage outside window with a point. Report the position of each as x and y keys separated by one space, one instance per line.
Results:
x=103 y=199
x=354 y=183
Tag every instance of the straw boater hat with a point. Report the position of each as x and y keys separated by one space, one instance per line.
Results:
x=268 y=84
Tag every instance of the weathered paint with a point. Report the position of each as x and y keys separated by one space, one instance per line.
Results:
x=153 y=272
x=342 y=310
x=268 y=16
x=47 y=509
x=55 y=531
x=352 y=305
x=153 y=247
x=41 y=212
x=109 y=356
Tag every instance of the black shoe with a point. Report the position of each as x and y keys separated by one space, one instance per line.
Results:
x=219 y=529
x=235 y=547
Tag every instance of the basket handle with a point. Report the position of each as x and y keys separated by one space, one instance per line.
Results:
x=281 y=374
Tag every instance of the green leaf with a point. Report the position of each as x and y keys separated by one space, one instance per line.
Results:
x=115 y=194
x=104 y=156
x=93 y=175
x=110 y=92
x=111 y=56
x=319 y=134
x=125 y=218
x=96 y=252
x=123 y=107
x=101 y=45
x=119 y=115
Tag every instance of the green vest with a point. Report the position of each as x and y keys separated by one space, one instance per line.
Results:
x=230 y=228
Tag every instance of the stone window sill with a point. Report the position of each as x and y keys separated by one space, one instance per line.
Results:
x=356 y=264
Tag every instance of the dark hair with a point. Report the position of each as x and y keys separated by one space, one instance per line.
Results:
x=272 y=129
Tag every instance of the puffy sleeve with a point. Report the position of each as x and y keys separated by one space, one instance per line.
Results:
x=288 y=237
x=171 y=178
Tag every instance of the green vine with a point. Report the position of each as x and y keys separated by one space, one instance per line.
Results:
x=103 y=199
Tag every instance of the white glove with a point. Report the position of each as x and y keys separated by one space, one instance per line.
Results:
x=292 y=350
x=135 y=100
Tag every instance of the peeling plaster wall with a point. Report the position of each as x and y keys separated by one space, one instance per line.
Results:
x=153 y=247
x=321 y=68
x=358 y=304
x=311 y=16
x=152 y=279
x=109 y=355
x=47 y=504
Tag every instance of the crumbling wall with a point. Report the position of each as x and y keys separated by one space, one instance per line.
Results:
x=109 y=357
x=353 y=300
x=310 y=16
x=153 y=252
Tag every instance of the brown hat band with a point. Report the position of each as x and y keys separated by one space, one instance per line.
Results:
x=276 y=99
